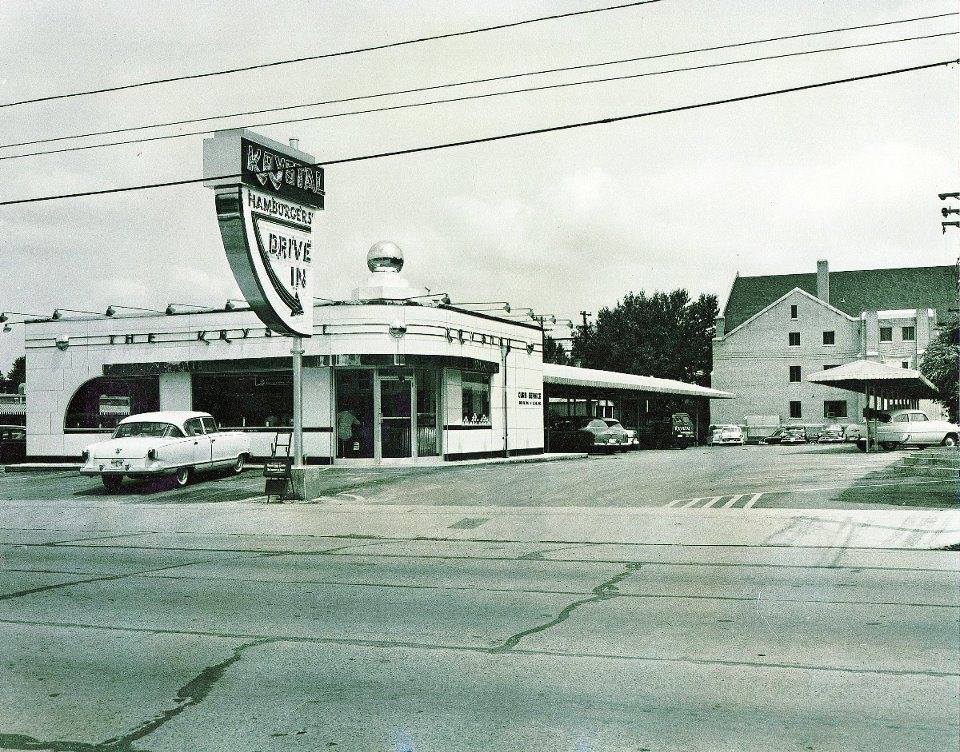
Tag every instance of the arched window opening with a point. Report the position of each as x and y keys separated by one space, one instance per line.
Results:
x=102 y=402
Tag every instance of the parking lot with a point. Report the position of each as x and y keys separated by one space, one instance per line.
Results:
x=813 y=476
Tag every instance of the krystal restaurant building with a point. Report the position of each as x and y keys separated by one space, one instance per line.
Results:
x=391 y=373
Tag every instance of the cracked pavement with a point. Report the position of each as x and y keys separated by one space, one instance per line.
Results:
x=157 y=628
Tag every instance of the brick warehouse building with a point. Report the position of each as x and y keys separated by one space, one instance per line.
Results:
x=776 y=330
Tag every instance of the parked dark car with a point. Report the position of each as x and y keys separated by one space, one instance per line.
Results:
x=613 y=423
x=586 y=435
x=775 y=438
x=13 y=443
x=666 y=431
x=832 y=434
x=797 y=435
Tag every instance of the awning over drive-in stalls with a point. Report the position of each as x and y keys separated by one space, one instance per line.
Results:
x=878 y=382
x=559 y=380
x=882 y=379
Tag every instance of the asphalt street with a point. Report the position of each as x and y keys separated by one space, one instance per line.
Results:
x=361 y=645
x=815 y=476
x=204 y=619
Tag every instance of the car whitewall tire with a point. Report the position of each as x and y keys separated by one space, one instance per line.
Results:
x=238 y=465
x=182 y=477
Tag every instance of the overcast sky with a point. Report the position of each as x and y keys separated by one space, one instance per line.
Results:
x=560 y=222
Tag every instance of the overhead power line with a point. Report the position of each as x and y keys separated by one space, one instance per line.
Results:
x=502 y=136
x=327 y=55
x=469 y=97
x=490 y=79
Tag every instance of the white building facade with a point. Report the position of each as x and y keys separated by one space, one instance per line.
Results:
x=785 y=328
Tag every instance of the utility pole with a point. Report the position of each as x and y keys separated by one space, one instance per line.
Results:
x=585 y=316
x=945 y=212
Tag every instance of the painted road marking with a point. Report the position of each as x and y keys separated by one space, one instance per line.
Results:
x=733 y=501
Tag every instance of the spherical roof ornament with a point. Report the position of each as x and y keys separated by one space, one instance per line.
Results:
x=385 y=255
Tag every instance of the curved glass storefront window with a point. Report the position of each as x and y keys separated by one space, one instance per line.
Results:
x=104 y=401
x=246 y=400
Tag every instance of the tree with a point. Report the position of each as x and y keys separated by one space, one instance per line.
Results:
x=15 y=376
x=940 y=364
x=553 y=352
x=665 y=334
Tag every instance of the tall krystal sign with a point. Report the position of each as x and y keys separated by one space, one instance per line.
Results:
x=266 y=197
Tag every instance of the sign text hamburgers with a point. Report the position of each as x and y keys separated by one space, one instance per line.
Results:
x=267 y=196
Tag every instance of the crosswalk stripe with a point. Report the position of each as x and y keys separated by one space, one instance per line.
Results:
x=733 y=500
x=691 y=503
x=712 y=501
x=753 y=500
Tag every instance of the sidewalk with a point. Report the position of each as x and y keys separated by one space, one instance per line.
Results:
x=830 y=528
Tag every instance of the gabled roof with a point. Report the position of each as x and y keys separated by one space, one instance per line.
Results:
x=852 y=292
x=787 y=294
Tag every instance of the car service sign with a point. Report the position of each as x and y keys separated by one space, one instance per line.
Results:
x=266 y=197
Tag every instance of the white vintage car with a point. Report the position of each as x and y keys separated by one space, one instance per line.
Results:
x=913 y=428
x=151 y=445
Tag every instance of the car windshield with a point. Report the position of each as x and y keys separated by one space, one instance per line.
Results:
x=146 y=428
x=612 y=423
x=682 y=420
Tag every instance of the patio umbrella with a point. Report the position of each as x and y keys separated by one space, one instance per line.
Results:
x=879 y=381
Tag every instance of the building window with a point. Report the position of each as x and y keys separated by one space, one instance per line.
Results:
x=905 y=363
x=476 y=398
x=103 y=402
x=908 y=333
x=795 y=409
x=827 y=368
x=793 y=312
x=829 y=338
x=834 y=409
x=794 y=339
x=246 y=400
x=886 y=334
x=794 y=374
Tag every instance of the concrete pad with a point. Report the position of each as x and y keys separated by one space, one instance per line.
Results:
x=847 y=585
x=311 y=611
x=88 y=686
x=16 y=582
x=287 y=696
x=96 y=560
x=457 y=574
x=236 y=542
x=857 y=637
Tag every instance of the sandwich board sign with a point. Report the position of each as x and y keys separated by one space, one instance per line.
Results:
x=267 y=195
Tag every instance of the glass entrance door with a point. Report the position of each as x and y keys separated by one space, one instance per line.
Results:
x=396 y=416
x=354 y=414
